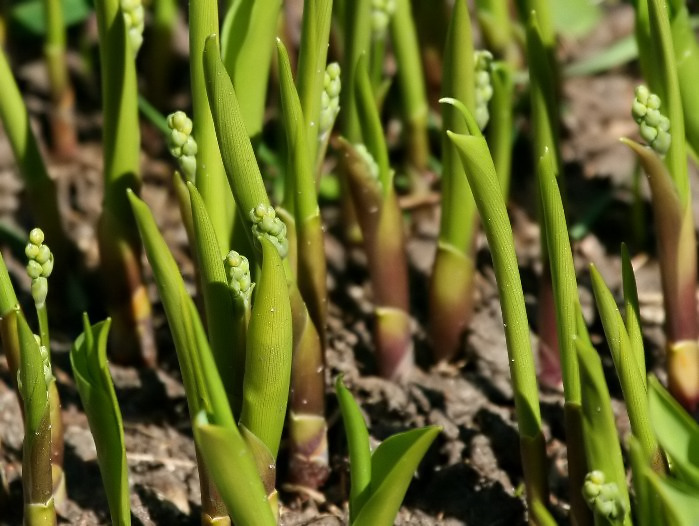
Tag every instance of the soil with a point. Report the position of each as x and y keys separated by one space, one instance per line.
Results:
x=472 y=474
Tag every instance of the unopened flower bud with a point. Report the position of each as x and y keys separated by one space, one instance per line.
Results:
x=266 y=223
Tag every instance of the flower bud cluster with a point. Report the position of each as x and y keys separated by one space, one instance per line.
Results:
x=329 y=99
x=653 y=125
x=134 y=19
x=483 y=61
x=238 y=275
x=266 y=223
x=603 y=497
x=381 y=13
x=40 y=265
x=181 y=143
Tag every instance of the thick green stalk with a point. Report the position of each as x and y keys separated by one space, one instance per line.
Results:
x=494 y=19
x=160 y=51
x=210 y=179
x=33 y=379
x=63 y=134
x=317 y=15
x=412 y=84
x=451 y=283
x=482 y=178
x=247 y=40
x=118 y=239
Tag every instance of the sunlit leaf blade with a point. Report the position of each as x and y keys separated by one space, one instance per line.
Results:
x=88 y=358
x=232 y=467
x=359 y=451
x=268 y=357
x=392 y=467
x=677 y=433
x=680 y=502
x=236 y=150
x=631 y=311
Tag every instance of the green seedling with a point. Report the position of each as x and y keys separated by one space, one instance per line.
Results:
x=498 y=32
x=451 y=283
x=120 y=36
x=631 y=375
x=479 y=168
x=371 y=184
x=567 y=304
x=676 y=241
x=500 y=127
x=379 y=479
x=308 y=429
x=265 y=389
x=88 y=358
x=245 y=180
x=159 y=50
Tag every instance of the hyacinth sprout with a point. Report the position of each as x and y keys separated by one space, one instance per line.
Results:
x=604 y=498
x=265 y=223
x=483 y=61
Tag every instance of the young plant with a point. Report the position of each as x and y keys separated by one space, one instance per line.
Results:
x=88 y=359
x=265 y=388
x=119 y=39
x=307 y=391
x=479 y=168
x=371 y=184
x=665 y=163
x=567 y=305
x=379 y=479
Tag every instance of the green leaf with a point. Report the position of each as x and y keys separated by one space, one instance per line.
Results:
x=268 y=357
x=231 y=465
x=679 y=500
x=359 y=450
x=631 y=311
x=484 y=183
x=30 y=15
x=247 y=39
x=88 y=358
x=632 y=383
x=392 y=467
x=677 y=433
x=236 y=150
x=563 y=278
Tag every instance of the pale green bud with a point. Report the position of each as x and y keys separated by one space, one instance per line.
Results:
x=329 y=99
x=266 y=223
x=133 y=13
x=368 y=160
x=36 y=236
x=483 y=62
x=654 y=127
x=34 y=269
x=181 y=143
x=44 y=254
x=31 y=251
x=40 y=289
x=381 y=13
x=238 y=273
